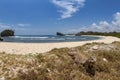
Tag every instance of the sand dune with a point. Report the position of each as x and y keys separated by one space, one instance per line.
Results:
x=26 y=48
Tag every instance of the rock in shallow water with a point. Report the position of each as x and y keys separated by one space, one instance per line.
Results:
x=1 y=39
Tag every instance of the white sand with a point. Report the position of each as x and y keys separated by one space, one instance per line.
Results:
x=26 y=48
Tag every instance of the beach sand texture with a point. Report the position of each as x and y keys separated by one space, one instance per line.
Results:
x=33 y=48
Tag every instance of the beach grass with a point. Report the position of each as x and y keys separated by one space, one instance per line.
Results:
x=64 y=64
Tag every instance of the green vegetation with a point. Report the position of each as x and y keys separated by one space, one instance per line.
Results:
x=79 y=63
x=116 y=34
x=7 y=33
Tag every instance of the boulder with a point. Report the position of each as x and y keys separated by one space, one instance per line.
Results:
x=7 y=33
x=78 y=57
x=1 y=39
x=60 y=34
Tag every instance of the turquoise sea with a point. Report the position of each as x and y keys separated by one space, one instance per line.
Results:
x=47 y=38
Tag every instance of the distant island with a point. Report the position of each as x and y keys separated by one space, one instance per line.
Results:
x=115 y=34
x=60 y=34
x=7 y=32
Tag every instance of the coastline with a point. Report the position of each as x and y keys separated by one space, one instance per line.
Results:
x=33 y=48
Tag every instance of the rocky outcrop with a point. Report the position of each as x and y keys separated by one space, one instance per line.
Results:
x=88 y=63
x=78 y=57
x=1 y=39
x=7 y=33
x=60 y=34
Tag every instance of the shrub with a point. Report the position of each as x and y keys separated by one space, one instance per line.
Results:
x=7 y=32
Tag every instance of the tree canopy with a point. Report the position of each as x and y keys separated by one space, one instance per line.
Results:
x=116 y=34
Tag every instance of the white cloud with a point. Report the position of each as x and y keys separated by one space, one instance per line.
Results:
x=23 y=25
x=102 y=26
x=17 y=27
x=4 y=26
x=68 y=7
x=116 y=22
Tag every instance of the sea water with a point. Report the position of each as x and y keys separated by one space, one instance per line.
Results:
x=48 y=38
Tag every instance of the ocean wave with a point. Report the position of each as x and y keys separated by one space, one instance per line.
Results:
x=26 y=37
x=71 y=38
x=47 y=38
x=70 y=35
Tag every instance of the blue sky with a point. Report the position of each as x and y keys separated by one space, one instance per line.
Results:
x=38 y=17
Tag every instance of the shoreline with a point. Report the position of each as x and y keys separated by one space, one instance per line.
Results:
x=33 y=48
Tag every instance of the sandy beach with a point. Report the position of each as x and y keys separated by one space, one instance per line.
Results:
x=33 y=48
